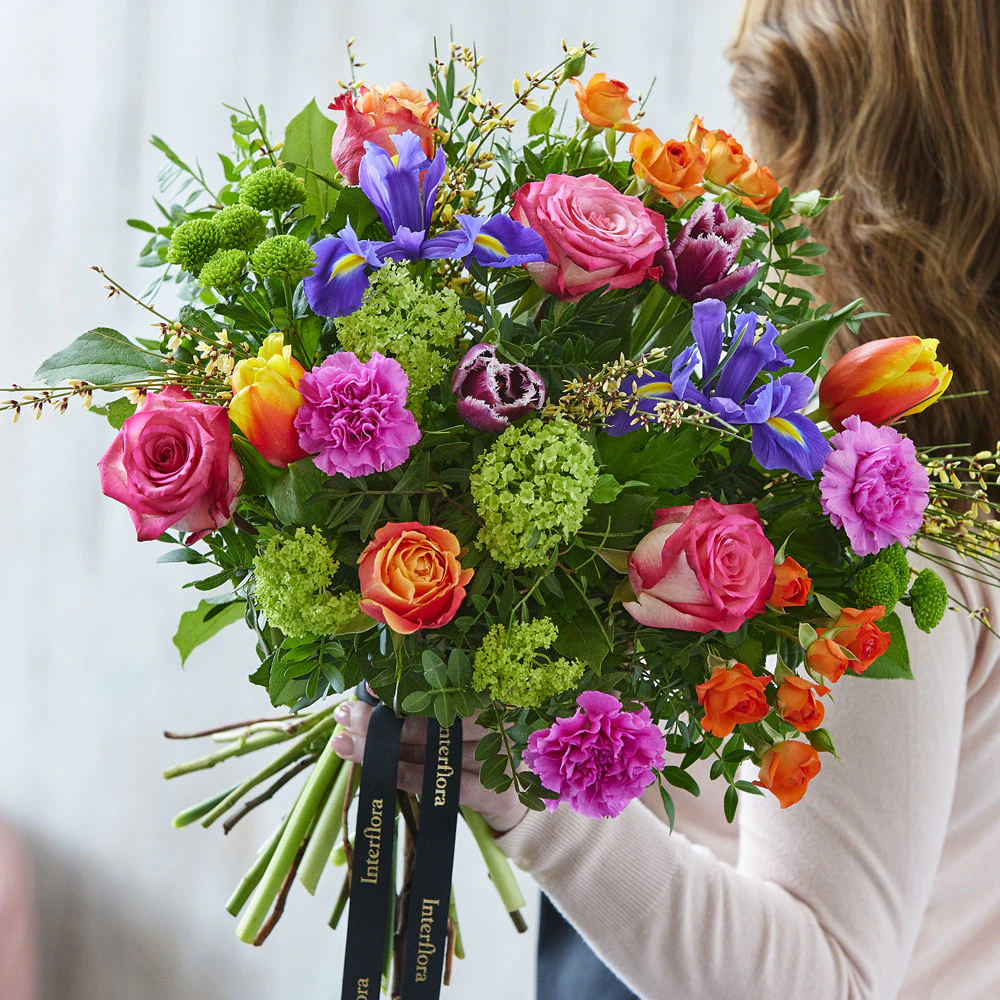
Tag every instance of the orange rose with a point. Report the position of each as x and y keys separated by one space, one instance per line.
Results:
x=787 y=769
x=791 y=585
x=675 y=168
x=605 y=103
x=729 y=166
x=725 y=157
x=799 y=704
x=411 y=577
x=376 y=114
x=758 y=186
x=730 y=696
x=828 y=659
x=862 y=636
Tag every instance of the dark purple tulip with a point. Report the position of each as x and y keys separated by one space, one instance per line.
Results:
x=698 y=263
x=491 y=393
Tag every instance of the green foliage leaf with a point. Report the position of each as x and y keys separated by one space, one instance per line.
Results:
x=196 y=626
x=730 y=802
x=894 y=663
x=668 y=806
x=435 y=669
x=292 y=491
x=663 y=459
x=259 y=476
x=119 y=410
x=101 y=356
x=352 y=206
x=806 y=343
x=542 y=120
x=582 y=639
x=679 y=778
x=308 y=140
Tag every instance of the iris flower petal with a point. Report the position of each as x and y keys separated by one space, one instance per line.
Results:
x=500 y=241
x=337 y=284
x=706 y=328
x=790 y=442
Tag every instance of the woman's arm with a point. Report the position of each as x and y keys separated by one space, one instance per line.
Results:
x=828 y=895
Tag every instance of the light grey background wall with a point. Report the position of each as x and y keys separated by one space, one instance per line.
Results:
x=129 y=907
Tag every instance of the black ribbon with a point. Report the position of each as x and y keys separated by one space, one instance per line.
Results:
x=430 y=895
x=372 y=874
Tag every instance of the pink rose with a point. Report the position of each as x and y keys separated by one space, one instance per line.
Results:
x=702 y=568
x=595 y=235
x=173 y=465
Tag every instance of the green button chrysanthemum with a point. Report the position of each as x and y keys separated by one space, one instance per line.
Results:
x=292 y=580
x=877 y=584
x=512 y=664
x=223 y=269
x=928 y=600
x=531 y=490
x=240 y=227
x=283 y=257
x=272 y=189
x=192 y=244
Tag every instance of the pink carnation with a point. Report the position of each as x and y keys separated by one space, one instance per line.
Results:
x=353 y=416
x=599 y=760
x=873 y=486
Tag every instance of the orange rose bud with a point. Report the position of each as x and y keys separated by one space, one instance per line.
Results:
x=787 y=769
x=757 y=186
x=605 y=103
x=725 y=159
x=862 y=636
x=675 y=168
x=791 y=585
x=799 y=704
x=411 y=577
x=883 y=381
x=730 y=696
x=266 y=400
x=828 y=659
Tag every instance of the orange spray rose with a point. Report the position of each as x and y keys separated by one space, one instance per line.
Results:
x=787 y=769
x=605 y=103
x=730 y=696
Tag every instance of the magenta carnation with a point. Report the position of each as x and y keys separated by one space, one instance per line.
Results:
x=353 y=416
x=598 y=760
x=873 y=486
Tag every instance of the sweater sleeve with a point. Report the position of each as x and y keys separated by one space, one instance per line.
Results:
x=828 y=895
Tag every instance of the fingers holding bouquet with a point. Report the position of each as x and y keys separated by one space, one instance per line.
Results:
x=501 y=810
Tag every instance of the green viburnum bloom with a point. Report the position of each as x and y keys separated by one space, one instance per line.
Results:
x=510 y=662
x=402 y=319
x=292 y=579
x=240 y=227
x=928 y=600
x=192 y=244
x=531 y=490
x=272 y=189
x=283 y=257
x=223 y=269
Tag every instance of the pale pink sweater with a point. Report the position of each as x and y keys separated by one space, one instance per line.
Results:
x=883 y=882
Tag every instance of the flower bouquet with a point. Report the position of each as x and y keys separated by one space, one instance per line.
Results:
x=521 y=432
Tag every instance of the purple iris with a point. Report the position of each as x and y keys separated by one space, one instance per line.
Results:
x=403 y=191
x=491 y=393
x=698 y=263
x=726 y=368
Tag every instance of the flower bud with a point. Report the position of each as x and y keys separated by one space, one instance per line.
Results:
x=490 y=393
x=883 y=381
x=605 y=103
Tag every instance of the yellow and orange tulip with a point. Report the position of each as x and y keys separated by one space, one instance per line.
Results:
x=266 y=399
x=883 y=381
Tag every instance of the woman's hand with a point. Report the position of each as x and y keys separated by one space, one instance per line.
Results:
x=502 y=811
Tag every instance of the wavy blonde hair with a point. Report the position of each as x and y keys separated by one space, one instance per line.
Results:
x=893 y=104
